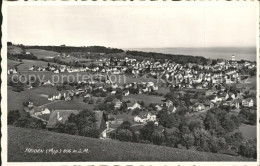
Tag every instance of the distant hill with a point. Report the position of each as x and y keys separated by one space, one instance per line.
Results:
x=99 y=150
x=69 y=49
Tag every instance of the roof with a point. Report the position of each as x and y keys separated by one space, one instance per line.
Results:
x=64 y=114
x=99 y=116
x=40 y=108
x=207 y=103
x=248 y=99
x=198 y=104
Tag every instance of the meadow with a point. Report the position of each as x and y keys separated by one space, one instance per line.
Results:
x=37 y=95
x=98 y=150
x=147 y=99
x=14 y=50
x=26 y=64
x=39 y=53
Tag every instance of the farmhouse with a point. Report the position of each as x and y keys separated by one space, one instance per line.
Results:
x=248 y=102
x=198 y=107
x=132 y=106
x=41 y=110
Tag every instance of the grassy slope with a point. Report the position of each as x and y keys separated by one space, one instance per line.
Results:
x=39 y=53
x=16 y=99
x=14 y=50
x=147 y=99
x=99 y=150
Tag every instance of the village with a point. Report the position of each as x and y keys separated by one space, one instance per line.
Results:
x=208 y=80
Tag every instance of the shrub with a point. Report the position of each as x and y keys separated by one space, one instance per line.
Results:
x=13 y=116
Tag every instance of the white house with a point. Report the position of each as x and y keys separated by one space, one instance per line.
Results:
x=248 y=102
x=133 y=106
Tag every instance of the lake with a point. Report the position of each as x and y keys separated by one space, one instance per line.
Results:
x=245 y=53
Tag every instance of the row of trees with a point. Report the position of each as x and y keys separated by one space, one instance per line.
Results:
x=181 y=59
x=19 y=119
x=21 y=56
x=69 y=49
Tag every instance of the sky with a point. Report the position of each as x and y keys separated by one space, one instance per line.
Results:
x=136 y=26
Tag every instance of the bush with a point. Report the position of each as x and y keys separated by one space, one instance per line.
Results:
x=13 y=116
x=248 y=149
x=22 y=122
x=124 y=135
x=91 y=101
x=187 y=140
x=158 y=138
x=90 y=132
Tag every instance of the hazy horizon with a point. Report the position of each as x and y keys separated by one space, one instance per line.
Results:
x=241 y=53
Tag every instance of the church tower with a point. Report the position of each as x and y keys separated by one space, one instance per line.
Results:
x=233 y=58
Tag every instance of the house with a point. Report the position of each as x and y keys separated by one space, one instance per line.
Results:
x=42 y=110
x=235 y=103
x=126 y=93
x=208 y=104
x=11 y=71
x=61 y=116
x=132 y=106
x=145 y=118
x=198 y=107
x=113 y=92
x=215 y=99
x=248 y=102
x=117 y=103
x=168 y=103
x=158 y=107
x=172 y=109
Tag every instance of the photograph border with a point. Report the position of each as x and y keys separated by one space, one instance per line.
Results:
x=4 y=141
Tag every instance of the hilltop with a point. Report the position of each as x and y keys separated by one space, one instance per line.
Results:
x=99 y=150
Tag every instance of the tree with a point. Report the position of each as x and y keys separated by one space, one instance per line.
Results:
x=188 y=140
x=22 y=122
x=236 y=120
x=195 y=125
x=248 y=148
x=158 y=138
x=147 y=131
x=70 y=128
x=202 y=138
x=234 y=139
x=210 y=121
x=228 y=125
x=90 y=132
x=217 y=144
x=124 y=135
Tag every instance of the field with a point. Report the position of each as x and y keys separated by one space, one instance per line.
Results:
x=25 y=64
x=248 y=131
x=98 y=150
x=38 y=96
x=70 y=105
x=14 y=50
x=39 y=53
x=144 y=97
x=11 y=63
x=249 y=83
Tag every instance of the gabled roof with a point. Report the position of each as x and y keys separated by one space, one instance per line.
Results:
x=64 y=114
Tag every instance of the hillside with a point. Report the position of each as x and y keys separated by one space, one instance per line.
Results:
x=14 y=50
x=99 y=150
x=39 y=53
